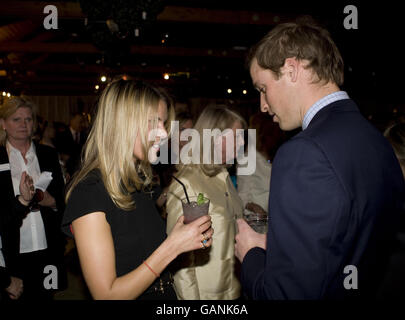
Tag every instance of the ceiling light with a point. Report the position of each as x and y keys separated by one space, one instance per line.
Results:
x=103 y=78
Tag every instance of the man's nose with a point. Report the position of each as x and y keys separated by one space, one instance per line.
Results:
x=264 y=107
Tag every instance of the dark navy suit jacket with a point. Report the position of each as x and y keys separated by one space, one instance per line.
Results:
x=335 y=196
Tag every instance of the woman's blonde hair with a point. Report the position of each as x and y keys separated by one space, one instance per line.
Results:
x=214 y=117
x=10 y=107
x=125 y=109
x=396 y=136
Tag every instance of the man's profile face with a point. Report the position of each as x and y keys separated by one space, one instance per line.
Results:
x=275 y=97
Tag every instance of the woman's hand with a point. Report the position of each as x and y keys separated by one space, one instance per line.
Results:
x=27 y=190
x=188 y=237
x=48 y=201
x=15 y=288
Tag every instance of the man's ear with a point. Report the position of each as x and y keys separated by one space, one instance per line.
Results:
x=291 y=68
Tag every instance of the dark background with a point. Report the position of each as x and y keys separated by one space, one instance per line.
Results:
x=204 y=49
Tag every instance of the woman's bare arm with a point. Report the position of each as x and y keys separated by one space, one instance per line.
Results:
x=95 y=247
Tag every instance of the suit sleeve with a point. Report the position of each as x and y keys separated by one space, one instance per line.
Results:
x=185 y=279
x=5 y=279
x=306 y=201
x=57 y=186
x=53 y=218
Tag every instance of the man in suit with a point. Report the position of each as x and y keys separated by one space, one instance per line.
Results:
x=69 y=143
x=336 y=186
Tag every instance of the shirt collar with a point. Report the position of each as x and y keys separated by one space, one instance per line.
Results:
x=322 y=103
x=30 y=152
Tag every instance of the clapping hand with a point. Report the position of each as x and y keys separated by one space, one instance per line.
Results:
x=15 y=288
x=27 y=189
x=48 y=200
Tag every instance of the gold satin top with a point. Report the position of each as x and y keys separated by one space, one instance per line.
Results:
x=207 y=274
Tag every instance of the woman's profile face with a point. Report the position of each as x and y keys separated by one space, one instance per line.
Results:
x=186 y=125
x=156 y=138
x=19 y=125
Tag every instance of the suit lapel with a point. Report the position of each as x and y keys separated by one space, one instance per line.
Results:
x=42 y=156
x=6 y=184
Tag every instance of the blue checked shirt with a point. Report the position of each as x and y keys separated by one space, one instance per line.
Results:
x=320 y=104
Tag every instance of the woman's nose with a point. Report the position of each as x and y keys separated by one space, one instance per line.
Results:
x=161 y=134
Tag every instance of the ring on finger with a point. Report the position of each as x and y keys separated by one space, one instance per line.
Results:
x=205 y=238
x=203 y=243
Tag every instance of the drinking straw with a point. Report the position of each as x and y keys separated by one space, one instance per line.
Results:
x=184 y=188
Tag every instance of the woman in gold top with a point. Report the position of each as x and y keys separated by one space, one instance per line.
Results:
x=210 y=274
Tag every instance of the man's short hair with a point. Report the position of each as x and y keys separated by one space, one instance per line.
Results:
x=303 y=40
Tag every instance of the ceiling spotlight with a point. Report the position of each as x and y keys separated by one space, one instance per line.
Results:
x=97 y=87
x=103 y=78
x=166 y=76
x=8 y=94
x=244 y=92
x=229 y=90
x=4 y=93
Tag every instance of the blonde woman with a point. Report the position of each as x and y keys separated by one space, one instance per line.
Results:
x=119 y=235
x=210 y=274
x=30 y=232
